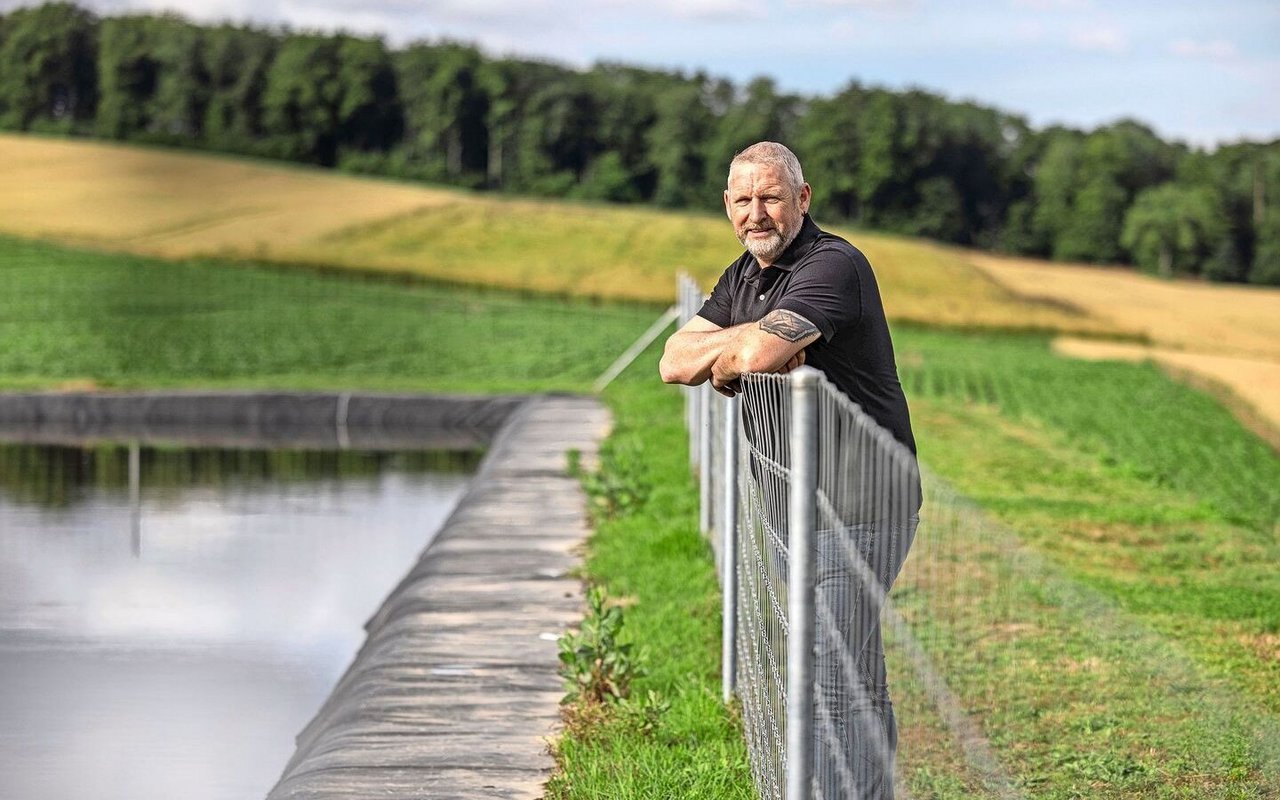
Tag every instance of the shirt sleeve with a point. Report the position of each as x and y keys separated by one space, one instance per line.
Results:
x=718 y=308
x=827 y=291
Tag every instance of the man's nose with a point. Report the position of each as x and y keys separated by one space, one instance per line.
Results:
x=757 y=210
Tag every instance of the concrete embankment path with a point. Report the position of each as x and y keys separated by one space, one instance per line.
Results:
x=455 y=692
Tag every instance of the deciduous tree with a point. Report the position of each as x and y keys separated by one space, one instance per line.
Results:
x=48 y=71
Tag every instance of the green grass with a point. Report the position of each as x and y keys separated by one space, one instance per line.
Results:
x=123 y=321
x=1118 y=635
x=1130 y=417
x=649 y=554
x=1080 y=693
x=1109 y=610
x=1139 y=487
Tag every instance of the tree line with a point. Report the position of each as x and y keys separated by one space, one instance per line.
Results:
x=910 y=162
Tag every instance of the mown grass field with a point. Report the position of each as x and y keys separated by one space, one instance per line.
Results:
x=81 y=319
x=1114 y=632
x=1109 y=606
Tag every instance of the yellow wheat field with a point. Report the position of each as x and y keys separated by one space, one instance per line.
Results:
x=1191 y=316
x=169 y=203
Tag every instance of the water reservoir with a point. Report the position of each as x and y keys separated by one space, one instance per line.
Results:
x=170 y=618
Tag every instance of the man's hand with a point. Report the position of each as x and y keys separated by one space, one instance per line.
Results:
x=796 y=362
x=731 y=386
x=727 y=387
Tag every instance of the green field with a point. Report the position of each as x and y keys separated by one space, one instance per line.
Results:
x=1117 y=568
x=81 y=319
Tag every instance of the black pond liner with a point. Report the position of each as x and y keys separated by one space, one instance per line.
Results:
x=257 y=420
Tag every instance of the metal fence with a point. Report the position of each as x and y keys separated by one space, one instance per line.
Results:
x=810 y=507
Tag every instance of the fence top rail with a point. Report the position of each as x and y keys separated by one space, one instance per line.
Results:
x=846 y=408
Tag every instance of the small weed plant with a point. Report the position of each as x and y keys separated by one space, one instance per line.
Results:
x=644 y=712
x=618 y=487
x=596 y=666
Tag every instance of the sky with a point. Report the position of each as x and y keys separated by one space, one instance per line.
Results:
x=1200 y=72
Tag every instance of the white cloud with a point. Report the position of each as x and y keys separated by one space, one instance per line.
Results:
x=1100 y=40
x=703 y=9
x=890 y=10
x=1029 y=31
x=1214 y=49
x=874 y=5
x=1052 y=5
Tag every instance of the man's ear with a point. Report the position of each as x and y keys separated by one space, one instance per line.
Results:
x=728 y=212
x=806 y=194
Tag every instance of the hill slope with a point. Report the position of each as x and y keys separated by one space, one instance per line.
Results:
x=177 y=204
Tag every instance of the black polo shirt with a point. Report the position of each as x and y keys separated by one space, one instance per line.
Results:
x=829 y=282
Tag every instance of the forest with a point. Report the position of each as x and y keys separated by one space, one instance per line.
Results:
x=911 y=162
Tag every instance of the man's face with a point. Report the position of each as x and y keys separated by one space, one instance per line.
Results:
x=766 y=213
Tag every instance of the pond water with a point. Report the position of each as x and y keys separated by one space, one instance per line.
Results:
x=172 y=640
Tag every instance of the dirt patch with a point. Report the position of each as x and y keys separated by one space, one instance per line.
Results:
x=1265 y=645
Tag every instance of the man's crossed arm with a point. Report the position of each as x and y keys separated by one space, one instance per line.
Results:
x=702 y=350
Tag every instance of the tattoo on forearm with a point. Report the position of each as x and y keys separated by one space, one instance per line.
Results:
x=788 y=325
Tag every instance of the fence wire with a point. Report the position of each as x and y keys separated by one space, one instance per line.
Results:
x=867 y=502
x=865 y=510
x=762 y=570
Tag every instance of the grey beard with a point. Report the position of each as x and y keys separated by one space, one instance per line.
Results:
x=771 y=248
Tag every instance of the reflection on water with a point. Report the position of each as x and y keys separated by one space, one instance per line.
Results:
x=177 y=654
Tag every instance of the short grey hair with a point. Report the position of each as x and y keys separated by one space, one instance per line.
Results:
x=774 y=155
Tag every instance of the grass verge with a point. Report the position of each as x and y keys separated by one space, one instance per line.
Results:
x=647 y=553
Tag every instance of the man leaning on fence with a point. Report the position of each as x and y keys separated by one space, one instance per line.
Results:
x=797 y=296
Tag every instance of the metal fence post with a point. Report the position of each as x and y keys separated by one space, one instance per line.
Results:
x=729 y=555
x=135 y=497
x=693 y=397
x=800 y=599
x=704 y=457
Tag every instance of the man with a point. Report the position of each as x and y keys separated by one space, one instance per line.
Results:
x=799 y=295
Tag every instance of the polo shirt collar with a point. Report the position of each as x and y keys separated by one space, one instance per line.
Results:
x=809 y=232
